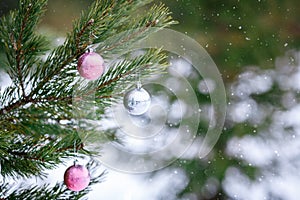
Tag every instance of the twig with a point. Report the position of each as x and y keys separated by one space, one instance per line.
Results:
x=29 y=99
x=129 y=37
x=19 y=51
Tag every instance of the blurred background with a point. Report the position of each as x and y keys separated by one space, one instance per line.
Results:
x=256 y=47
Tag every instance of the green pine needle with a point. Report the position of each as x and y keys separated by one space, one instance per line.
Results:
x=40 y=115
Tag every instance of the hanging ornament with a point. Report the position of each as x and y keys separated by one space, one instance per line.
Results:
x=137 y=101
x=90 y=65
x=77 y=177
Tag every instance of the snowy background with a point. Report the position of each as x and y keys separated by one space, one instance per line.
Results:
x=258 y=154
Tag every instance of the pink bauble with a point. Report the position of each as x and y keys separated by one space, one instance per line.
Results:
x=90 y=65
x=77 y=178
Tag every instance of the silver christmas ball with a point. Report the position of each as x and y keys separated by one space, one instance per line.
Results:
x=137 y=101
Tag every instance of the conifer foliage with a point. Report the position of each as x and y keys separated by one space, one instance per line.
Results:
x=38 y=129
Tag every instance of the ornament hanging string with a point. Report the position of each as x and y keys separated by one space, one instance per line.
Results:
x=75 y=153
x=90 y=64
x=138 y=77
x=77 y=177
x=137 y=101
x=92 y=46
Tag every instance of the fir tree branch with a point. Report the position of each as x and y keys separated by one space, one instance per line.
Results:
x=18 y=48
x=159 y=15
x=23 y=141
x=22 y=154
x=124 y=72
x=57 y=192
x=119 y=77
x=22 y=157
x=18 y=40
x=66 y=62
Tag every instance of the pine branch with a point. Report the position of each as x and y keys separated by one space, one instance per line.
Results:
x=33 y=138
x=81 y=31
x=126 y=71
x=36 y=152
x=19 y=39
x=57 y=192
x=17 y=47
x=119 y=77
x=139 y=27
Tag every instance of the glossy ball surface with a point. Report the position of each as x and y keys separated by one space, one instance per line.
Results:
x=137 y=101
x=77 y=178
x=90 y=65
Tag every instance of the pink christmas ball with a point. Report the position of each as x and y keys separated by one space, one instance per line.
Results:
x=77 y=178
x=90 y=65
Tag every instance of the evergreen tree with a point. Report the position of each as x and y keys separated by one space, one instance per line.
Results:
x=38 y=128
